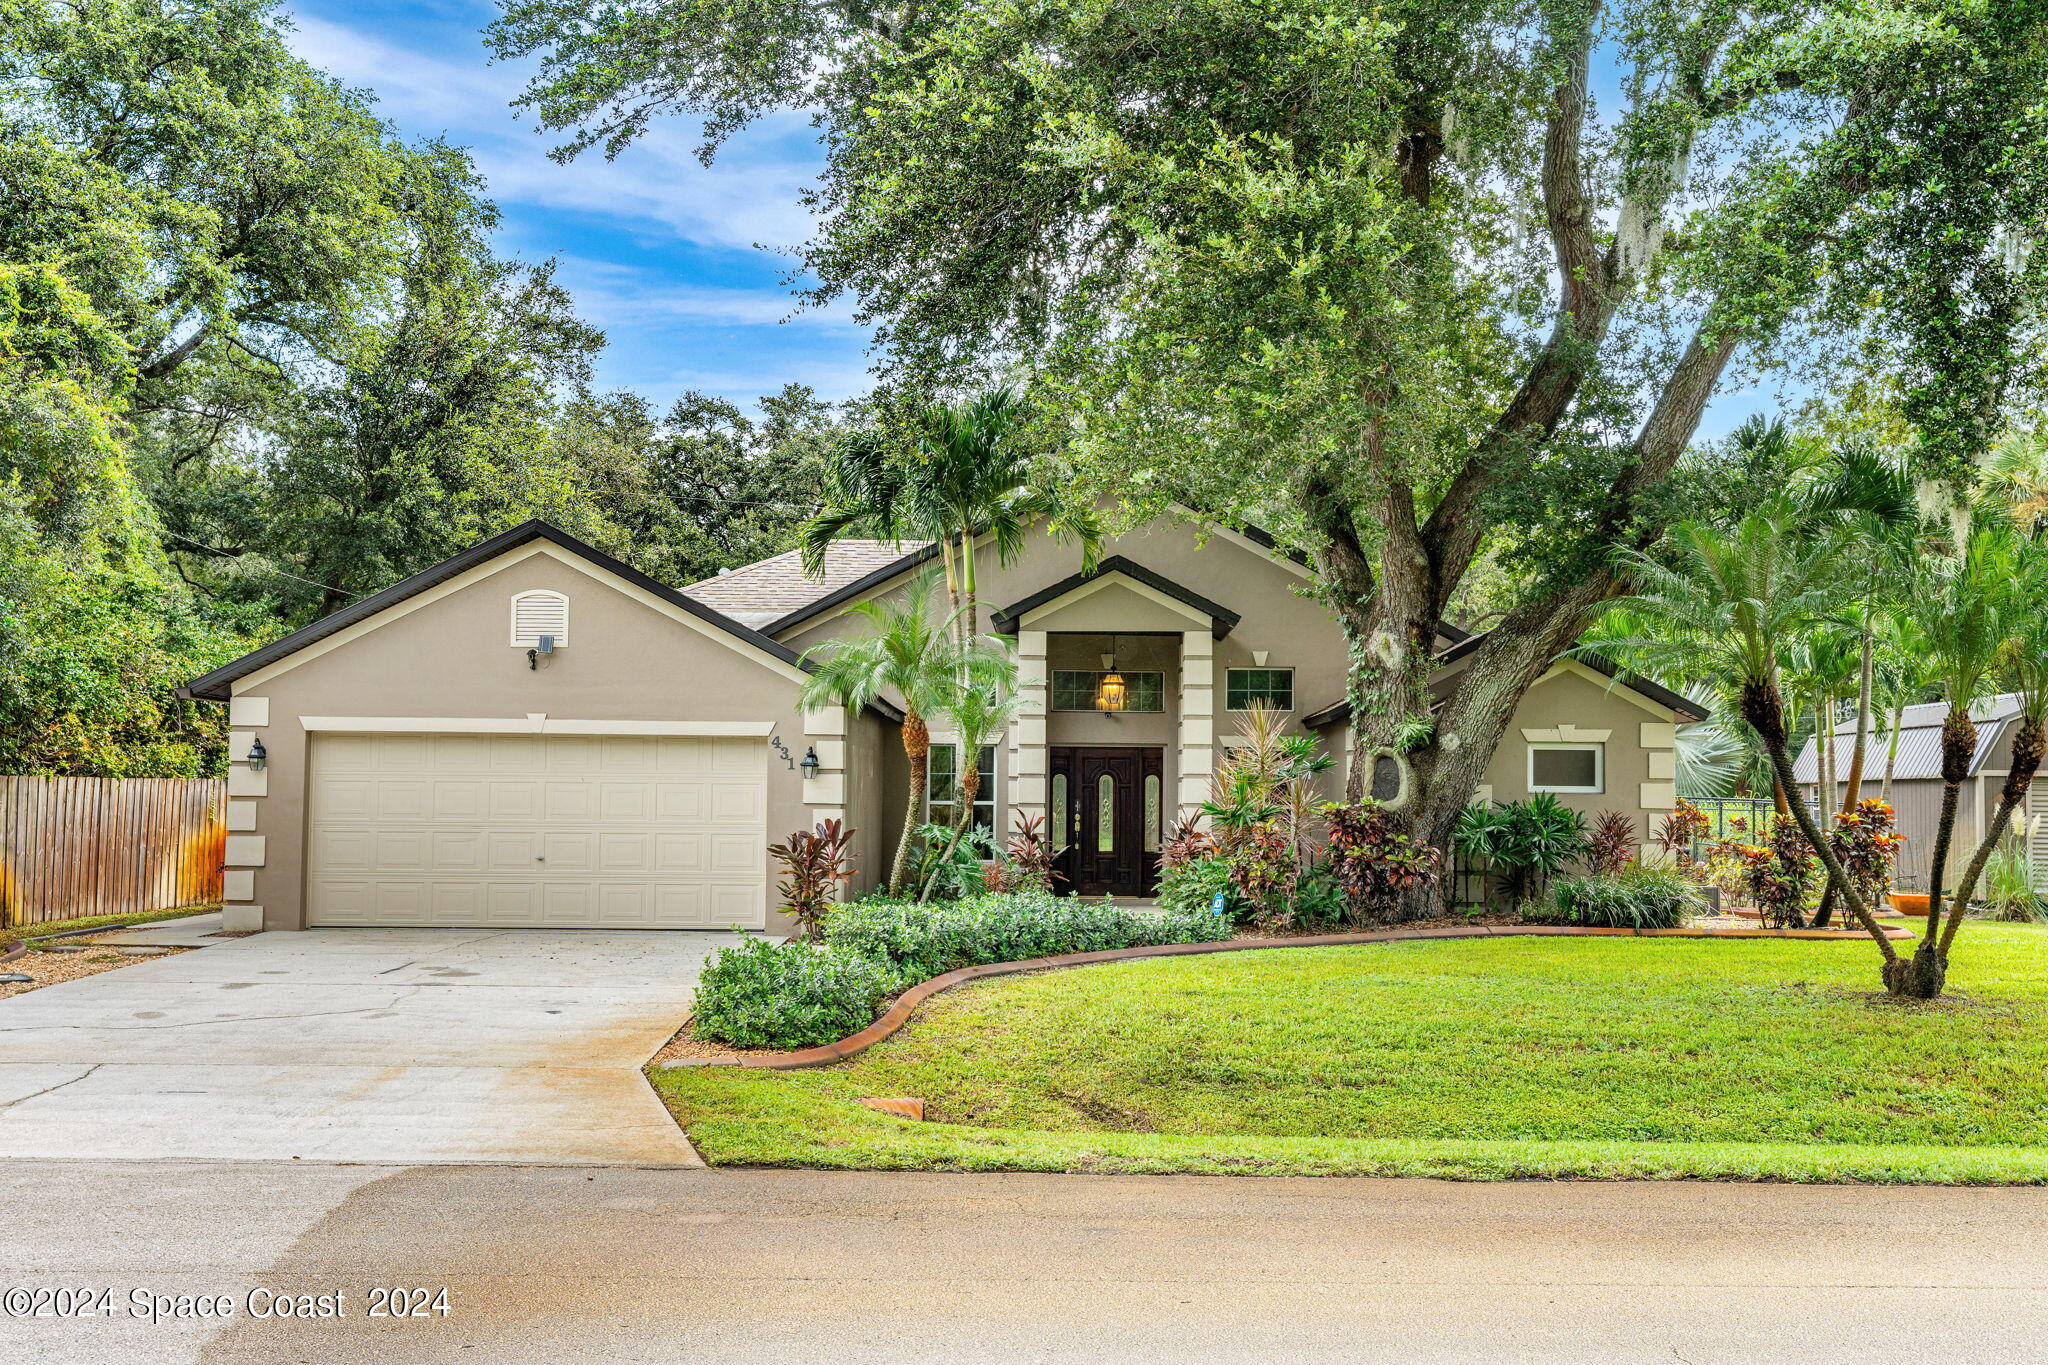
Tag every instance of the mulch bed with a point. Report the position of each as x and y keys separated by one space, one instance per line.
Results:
x=49 y=969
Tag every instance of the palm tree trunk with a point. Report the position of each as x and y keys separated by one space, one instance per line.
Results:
x=1891 y=752
x=1764 y=711
x=952 y=578
x=971 y=623
x=1864 y=680
x=2027 y=746
x=917 y=746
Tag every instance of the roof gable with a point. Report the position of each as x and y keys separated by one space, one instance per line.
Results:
x=218 y=684
x=1221 y=619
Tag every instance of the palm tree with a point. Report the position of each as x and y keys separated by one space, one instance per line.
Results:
x=967 y=474
x=1866 y=505
x=911 y=651
x=1724 y=606
x=977 y=478
x=1973 y=611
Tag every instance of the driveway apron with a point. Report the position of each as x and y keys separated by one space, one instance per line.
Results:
x=375 y=1045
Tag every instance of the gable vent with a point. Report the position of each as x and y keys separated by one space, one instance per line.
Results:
x=539 y=613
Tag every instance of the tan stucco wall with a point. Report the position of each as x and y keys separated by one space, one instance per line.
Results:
x=1639 y=780
x=451 y=658
x=1293 y=630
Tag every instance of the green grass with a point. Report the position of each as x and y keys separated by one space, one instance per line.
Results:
x=1490 y=1058
x=86 y=922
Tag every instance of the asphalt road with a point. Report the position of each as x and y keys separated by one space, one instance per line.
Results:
x=564 y=1264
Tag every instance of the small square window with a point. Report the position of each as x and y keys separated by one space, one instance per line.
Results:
x=1567 y=767
x=1244 y=688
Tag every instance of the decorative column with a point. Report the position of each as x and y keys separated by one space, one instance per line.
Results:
x=825 y=794
x=244 y=852
x=1197 y=718
x=1027 y=765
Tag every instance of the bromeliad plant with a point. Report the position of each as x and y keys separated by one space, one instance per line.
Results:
x=815 y=864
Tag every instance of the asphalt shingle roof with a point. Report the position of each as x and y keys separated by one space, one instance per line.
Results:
x=769 y=588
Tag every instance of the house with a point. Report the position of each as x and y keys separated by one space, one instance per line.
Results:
x=1916 y=787
x=533 y=733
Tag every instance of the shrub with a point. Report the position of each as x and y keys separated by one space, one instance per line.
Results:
x=813 y=865
x=1027 y=858
x=1780 y=875
x=949 y=864
x=1867 y=845
x=1372 y=861
x=912 y=942
x=1320 y=899
x=1612 y=844
x=1675 y=836
x=1192 y=885
x=1526 y=842
x=762 y=994
x=1636 y=898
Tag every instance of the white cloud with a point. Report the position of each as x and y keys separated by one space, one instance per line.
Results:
x=833 y=381
x=621 y=296
x=749 y=197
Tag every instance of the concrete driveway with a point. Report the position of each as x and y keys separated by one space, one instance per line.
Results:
x=372 y=1045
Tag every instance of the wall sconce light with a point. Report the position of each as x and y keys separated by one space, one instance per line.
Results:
x=810 y=765
x=258 y=755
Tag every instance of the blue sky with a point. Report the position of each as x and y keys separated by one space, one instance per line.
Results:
x=666 y=256
x=678 y=263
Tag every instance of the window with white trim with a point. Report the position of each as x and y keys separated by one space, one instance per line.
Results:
x=1244 y=688
x=537 y=613
x=1567 y=767
x=942 y=787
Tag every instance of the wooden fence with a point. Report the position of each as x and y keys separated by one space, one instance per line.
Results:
x=74 y=846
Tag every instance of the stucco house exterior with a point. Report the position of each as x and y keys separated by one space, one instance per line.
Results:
x=535 y=734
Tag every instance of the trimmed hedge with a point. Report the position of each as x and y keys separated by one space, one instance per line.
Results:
x=1635 y=898
x=791 y=995
x=914 y=942
x=762 y=994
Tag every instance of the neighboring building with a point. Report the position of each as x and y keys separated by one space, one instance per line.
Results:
x=535 y=734
x=1916 y=785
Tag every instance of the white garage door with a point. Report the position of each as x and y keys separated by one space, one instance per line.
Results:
x=534 y=831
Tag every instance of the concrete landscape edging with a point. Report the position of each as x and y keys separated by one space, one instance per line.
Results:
x=906 y=1004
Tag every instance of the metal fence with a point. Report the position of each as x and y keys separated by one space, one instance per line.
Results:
x=72 y=846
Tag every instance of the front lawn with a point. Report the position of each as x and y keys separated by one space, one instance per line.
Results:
x=1477 y=1058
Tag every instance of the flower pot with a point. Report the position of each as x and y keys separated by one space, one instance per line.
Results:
x=1907 y=903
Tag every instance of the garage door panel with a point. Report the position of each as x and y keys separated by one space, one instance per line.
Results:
x=734 y=802
x=458 y=798
x=535 y=831
x=734 y=853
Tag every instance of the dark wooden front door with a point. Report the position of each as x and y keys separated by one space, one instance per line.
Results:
x=1114 y=799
